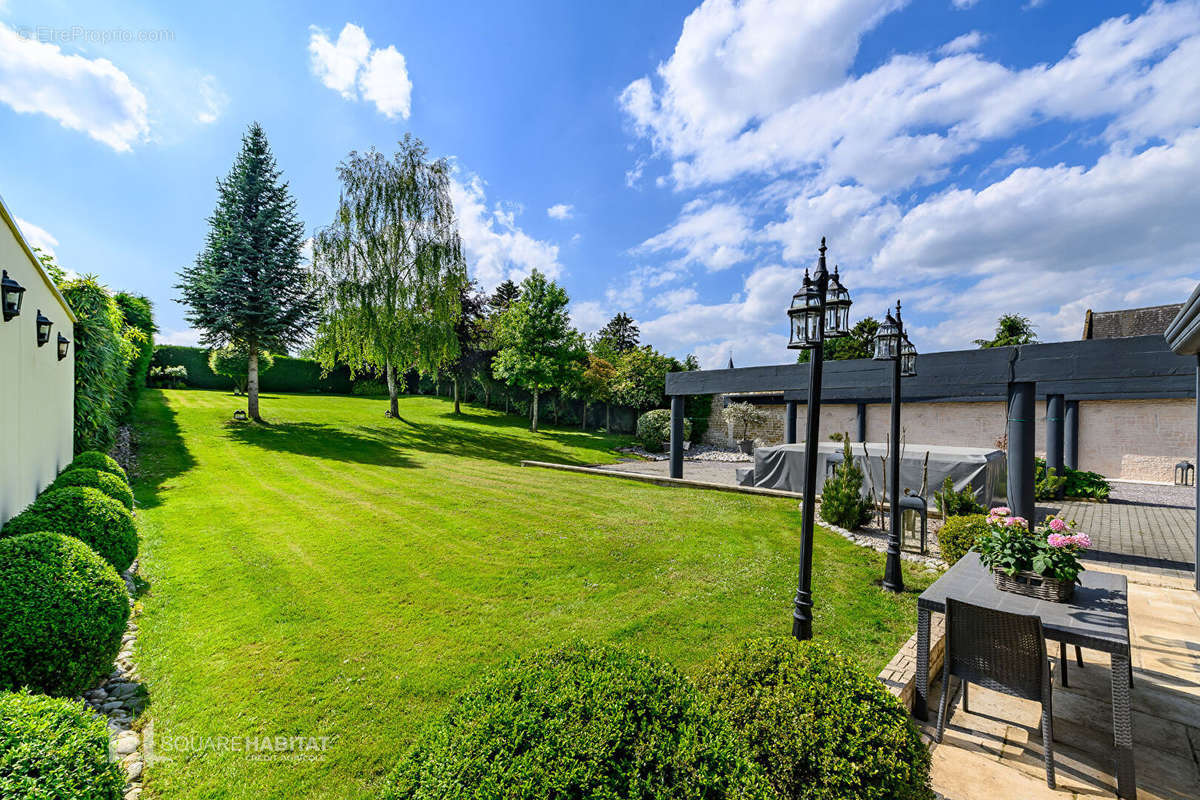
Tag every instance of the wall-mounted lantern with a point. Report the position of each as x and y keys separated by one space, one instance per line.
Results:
x=43 y=328
x=11 y=294
x=63 y=344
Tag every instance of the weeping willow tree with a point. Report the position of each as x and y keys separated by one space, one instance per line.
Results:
x=391 y=267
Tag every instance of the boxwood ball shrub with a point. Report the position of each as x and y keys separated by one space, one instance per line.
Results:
x=85 y=513
x=579 y=722
x=654 y=429
x=820 y=727
x=112 y=485
x=959 y=534
x=94 y=459
x=65 y=611
x=52 y=747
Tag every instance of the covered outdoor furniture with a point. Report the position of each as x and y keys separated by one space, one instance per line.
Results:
x=1002 y=651
x=1097 y=617
x=980 y=469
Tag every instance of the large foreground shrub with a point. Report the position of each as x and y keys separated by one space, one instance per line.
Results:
x=85 y=513
x=64 y=611
x=94 y=459
x=112 y=485
x=654 y=429
x=579 y=722
x=54 y=749
x=821 y=727
x=959 y=535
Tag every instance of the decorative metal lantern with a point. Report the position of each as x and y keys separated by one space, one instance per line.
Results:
x=43 y=328
x=887 y=339
x=908 y=359
x=837 y=307
x=805 y=316
x=63 y=344
x=11 y=295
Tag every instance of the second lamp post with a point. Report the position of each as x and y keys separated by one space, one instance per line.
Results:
x=892 y=344
x=820 y=310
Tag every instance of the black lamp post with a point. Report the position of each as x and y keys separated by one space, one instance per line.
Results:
x=892 y=344
x=820 y=310
x=11 y=294
x=43 y=328
x=63 y=344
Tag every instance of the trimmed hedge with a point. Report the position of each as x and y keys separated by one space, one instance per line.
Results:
x=579 y=722
x=85 y=513
x=110 y=484
x=654 y=429
x=287 y=374
x=54 y=749
x=821 y=727
x=94 y=459
x=64 y=614
x=959 y=534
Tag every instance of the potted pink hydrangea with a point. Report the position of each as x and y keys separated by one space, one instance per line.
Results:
x=1042 y=563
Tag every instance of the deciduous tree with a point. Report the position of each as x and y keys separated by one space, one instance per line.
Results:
x=1011 y=329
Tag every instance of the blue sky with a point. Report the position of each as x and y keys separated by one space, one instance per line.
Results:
x=675 y=161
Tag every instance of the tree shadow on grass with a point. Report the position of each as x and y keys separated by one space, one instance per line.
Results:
x=321 y=441
x=161 y=451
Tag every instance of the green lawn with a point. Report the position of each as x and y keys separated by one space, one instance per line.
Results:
x=340 y=574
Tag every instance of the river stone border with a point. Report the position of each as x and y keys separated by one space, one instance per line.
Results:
x=120 y=697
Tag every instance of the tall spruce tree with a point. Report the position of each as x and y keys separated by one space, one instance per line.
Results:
x=505 y=295
x=620 y=334
x=391 y=267
x=248 y=286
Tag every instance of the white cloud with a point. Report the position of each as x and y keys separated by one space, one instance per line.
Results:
x=90 y=95
x=495 y=245
x=676 y=298
x=350 y=67
x=560 y=211
x=187 y=337
x=213 y=101
x=632 y=292
x=712 y=235
x=962 y=44
x=963 y=4
x=588 y=316
x=37 y=236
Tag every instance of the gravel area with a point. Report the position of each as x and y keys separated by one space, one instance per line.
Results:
x=1153 y=494
x=700 y=452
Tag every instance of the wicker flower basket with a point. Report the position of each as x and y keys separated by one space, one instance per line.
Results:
x=1031 y=584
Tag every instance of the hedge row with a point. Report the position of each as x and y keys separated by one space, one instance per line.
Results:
x=287 y=375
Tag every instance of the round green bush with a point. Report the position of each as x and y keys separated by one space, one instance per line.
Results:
x=94 y=459
x=64 y=612
x=54 y=748
x=110 y=484
x=654 y=429
x=959 y=534
x=821 y=727
x=85 y=513
x=581 y=721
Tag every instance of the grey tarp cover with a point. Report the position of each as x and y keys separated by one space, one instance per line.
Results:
x=983 y=469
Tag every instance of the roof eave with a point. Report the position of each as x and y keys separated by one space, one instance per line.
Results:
x=11 y=221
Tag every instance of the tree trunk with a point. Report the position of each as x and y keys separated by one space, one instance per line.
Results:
x=506 y=403
x=534 y=418
x=457 y=409
x=557 y=403
x=608 y=417
x=583 y=417
x=393 y=394
x=252 y=384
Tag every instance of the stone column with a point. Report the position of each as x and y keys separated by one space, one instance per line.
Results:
x=1071 y=435
x=789 y=422
x=677 y=435
x=862 y=422
x=1021 y=396
x=1054 y=433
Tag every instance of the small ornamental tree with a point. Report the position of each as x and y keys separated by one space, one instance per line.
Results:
x=745 y=415
x=537 y=345
x=249 y=287
x=234 y=363
x=842 y=503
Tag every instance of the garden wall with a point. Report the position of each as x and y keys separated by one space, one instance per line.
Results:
x=1130 y=439
x=37 y=390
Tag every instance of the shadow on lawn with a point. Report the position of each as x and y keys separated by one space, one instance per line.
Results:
x=320 y=441
x=161 y=452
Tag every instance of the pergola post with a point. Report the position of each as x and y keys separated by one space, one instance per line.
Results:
x=862 y=422
x=1054 y=433
x=1071 y=435
x=789 y=422
x=1021 y=396
x=1196 y=566
x=677 y=436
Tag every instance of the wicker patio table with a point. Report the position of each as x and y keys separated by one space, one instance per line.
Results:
x=1097 y=617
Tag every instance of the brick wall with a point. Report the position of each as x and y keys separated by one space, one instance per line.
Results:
x=1131 y=439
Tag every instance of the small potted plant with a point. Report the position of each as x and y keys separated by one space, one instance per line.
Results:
x=1043 y=563
x=745 y=415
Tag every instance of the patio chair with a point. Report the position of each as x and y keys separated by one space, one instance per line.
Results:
x=1001 y=651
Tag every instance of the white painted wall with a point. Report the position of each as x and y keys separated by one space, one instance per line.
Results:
x=37 y=391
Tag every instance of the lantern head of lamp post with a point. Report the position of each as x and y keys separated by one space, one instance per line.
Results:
x=43 y=328
x=11 y=295
x=805 y=316
x=908 y=359
x=887 y=339
x=837 y=307
x=63 y=344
